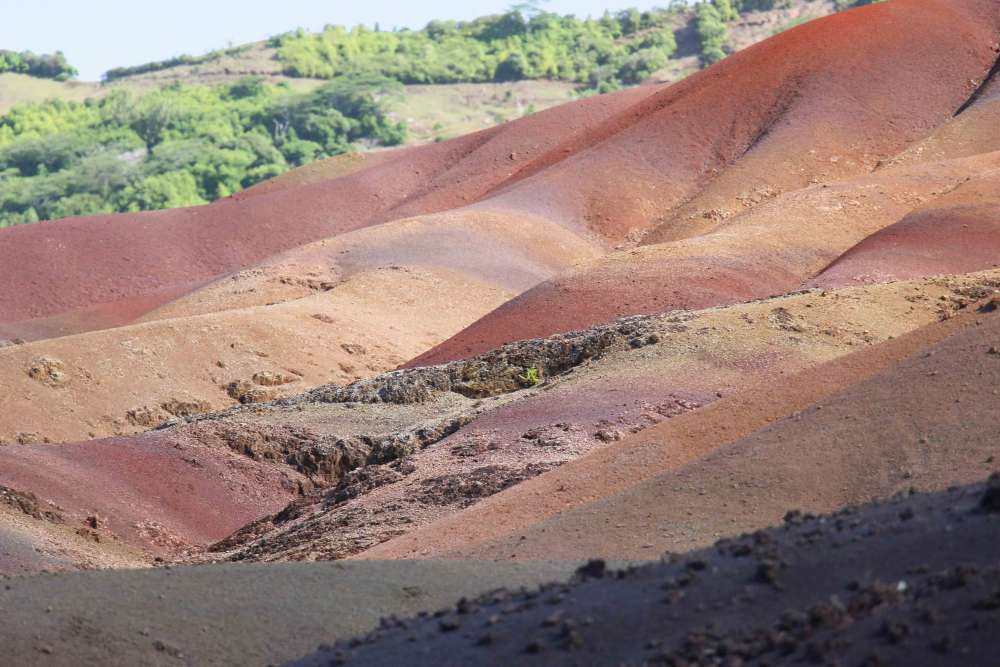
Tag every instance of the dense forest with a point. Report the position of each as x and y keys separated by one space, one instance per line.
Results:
x=179 y=146
x=601 y=53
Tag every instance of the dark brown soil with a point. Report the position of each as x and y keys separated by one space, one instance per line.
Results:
x=913 y=581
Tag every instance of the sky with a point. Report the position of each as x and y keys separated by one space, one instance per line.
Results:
x=97 y=35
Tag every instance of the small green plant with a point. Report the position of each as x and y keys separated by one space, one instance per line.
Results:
x=530 y=377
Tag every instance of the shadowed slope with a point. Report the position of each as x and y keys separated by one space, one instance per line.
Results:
x=907 y=582
x=229 y=614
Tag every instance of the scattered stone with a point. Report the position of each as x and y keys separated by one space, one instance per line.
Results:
x=49 y=371
x=178 y=408
x=247 y=392
x=608 y=435
x=144 y=417
x=167 y=648
x=28 y=503
x=990 y=500
x=593 y=569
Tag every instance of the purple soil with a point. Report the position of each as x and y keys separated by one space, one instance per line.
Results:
x=491 y=524
x=928 y=421
x=183 y=492
x=91 y=318
x=19 y=555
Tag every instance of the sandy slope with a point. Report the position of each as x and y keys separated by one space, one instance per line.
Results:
x=131 y=378
x=958 y=232
x=772 y=247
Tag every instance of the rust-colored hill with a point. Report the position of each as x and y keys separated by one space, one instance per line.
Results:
x=775 y=245
x=613 y=165
x=634 y=323
x=78 y=263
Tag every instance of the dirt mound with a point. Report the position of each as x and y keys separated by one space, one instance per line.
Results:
x=154 y=494
x=127 y=379
x=770 y=248
x=912 y=581
x=959 y=233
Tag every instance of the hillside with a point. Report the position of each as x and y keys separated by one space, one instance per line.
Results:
x=633 y=324
x=235 y=117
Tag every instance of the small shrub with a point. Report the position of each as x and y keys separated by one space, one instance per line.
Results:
x=530 y=377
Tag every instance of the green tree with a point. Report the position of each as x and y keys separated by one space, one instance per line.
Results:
x=152 y=117
x=711 y=33
x=727 y=10
x=178 y=146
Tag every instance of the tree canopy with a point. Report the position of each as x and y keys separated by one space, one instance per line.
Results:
x=44 y=66
x=177 y=146
x=524 y=43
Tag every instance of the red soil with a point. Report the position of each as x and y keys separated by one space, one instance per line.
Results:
x=91 y=318
x=959 y=234
x=787 y=125
x=155 y=491
x=769 y=249
x=653 y=283
x=775 y=113
x=51 y=267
